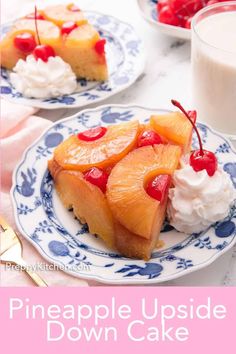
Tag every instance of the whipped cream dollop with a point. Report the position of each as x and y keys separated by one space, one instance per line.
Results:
x=39 y=79
x=198 y=200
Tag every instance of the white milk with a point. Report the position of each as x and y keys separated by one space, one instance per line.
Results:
x=214 y=71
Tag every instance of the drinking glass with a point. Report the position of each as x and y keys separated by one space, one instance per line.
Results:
x=213 y=60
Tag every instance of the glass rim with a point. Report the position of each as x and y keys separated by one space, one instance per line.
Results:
x=205 y=10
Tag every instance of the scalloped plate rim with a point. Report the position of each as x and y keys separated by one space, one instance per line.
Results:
x=123 y=281
x=172 y=31
x=44 y=105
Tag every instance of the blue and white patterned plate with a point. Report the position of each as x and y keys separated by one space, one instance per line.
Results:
x=125 y=57
x=148 y=10
x=61 y=239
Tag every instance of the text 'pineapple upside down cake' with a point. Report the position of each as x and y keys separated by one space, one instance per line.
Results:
x=116 y=179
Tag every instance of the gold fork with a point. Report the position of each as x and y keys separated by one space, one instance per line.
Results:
x=11 y=251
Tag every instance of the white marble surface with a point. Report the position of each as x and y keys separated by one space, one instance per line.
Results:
x=167 y=75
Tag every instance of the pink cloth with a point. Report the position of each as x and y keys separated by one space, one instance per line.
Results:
x=19 y=128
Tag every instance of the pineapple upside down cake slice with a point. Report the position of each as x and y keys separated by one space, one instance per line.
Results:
x=67 y=31
x=116 y=179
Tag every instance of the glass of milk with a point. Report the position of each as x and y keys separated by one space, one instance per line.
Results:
x=214 y=66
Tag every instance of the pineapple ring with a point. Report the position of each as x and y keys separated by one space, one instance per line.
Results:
x=61 y=13
x=76 y=154
x=174 y=127
x=126 y=194
x=48 y=31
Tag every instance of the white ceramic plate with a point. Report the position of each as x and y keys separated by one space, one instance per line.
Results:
x=149 y=11
x=126 y=61
x=62 y=240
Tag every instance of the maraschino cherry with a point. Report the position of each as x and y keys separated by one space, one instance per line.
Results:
x=67 y=27
x=41 y=51
x=97 y=177
x=161 y=4
x=199 y=159
x=25 y=42
x=92 y=134
x=211 y=2
x=157 y=187
x=100 y=46
x=167 y=16
x=185 y=8
x=149 y=137
x=180 y=12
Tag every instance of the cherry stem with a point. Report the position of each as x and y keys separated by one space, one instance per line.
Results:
x=36 y=24
x=178 y=105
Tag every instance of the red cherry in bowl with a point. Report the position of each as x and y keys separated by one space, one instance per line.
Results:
x=211 y=2
x=167 y=16
x=199 y=159
x=92 y=134
x=43 y=52
x=188 y=8
x=25 y=42
x=97 y=177
x=149 y=137
x=67 y=27
x=161 y=4
x=157 y=188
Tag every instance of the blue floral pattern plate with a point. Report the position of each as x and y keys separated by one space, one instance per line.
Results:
x=125 y=57
x=62 y=240
x=148 y=10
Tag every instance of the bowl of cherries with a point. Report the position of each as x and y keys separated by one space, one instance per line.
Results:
x=173 y=17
